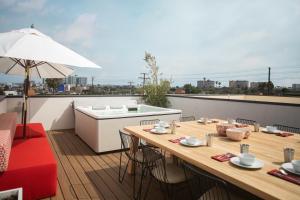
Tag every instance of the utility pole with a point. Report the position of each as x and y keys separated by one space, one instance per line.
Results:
x=144 y=78
x=269 y=80
x=130 y=86
x=93 y=77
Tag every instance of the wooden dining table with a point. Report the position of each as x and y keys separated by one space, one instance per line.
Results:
x=266 y=147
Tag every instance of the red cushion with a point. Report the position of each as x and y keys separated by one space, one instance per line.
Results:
x=31 y=166
x=33 y=130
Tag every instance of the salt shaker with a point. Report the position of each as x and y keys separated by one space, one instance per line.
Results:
x=209 y=139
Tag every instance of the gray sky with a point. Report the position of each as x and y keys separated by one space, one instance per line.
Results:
x=191 y=39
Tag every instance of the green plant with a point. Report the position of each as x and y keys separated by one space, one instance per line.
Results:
x=155 y=91
x=155 y=95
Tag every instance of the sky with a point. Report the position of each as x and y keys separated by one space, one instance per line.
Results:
x=191 y=39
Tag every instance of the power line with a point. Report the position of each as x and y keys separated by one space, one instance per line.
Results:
x=144 y=78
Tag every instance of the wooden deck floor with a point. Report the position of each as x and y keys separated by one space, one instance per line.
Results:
x=82 y=174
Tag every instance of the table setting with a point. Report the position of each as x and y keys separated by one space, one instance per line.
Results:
x=207 y=145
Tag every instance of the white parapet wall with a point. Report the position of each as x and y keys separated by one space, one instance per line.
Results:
x=57 y=112
x=266 y=113
x=3 y=104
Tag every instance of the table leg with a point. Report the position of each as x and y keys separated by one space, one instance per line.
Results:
x=133 y=148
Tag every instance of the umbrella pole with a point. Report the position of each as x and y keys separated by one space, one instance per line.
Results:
x=26 y=88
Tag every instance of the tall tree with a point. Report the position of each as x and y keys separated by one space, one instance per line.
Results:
x=53 y=83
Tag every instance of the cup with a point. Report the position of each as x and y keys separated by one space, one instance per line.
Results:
x=288 y=154
x=161 y=123
x=244 y=148
x=247 y=159
x=192 y=140
x=205 y=120
x=209 y=139
x=296 y=165
x=256 y=127
x=271 y=128
x=231 y=121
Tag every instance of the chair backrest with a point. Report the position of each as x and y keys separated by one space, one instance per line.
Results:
x=149 y=122
x=126 y=141
x=287 y=128
x=245 y=121
x=156 y=162
x=204 y=185
x=187 y=118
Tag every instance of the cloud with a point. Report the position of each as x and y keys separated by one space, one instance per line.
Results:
x=25 y=6
x=81 y=31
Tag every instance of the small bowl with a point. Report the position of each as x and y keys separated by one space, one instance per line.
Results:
x=235 y=134
x=247 y=159
x=221 y=128
x=271 y=128
x=296 y=165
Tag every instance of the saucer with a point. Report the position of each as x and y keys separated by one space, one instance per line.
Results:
x=265 y=130
x=202 y=121
x=197 y=144
x=289 y=167
x=256 y=165
x=158 y=132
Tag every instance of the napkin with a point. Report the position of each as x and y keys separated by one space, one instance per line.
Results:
x=291 y=178
x=223 y=157
x=177 y=140
x=284 y=134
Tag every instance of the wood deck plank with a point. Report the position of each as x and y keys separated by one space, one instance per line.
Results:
x=90 y=156
x=83 y=174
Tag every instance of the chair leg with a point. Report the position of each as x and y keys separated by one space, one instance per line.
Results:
x=121 y=178
x=147 y=188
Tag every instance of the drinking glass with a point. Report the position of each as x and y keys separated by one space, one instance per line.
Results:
x=288 y=154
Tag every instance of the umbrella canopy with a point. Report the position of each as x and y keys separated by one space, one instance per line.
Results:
x=30 y=53
x=47 y=57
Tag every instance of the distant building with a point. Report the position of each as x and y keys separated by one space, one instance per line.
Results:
x=10 y=93
x=296 y=87
x=256 y=84
x=76 y=80
x=179 y=91
x=203 y=84
x=239 y=84
x=81 y=81
x=71 y=80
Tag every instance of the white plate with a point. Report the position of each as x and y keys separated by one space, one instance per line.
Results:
x=273 y=132
x=256 y=165
x=165 y=125
x=158 y=132
x=197 y=144
x=289 y=167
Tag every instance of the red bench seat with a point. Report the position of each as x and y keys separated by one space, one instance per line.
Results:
x=32 y=166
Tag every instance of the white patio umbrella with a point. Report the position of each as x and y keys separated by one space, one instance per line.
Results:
x=30 y=53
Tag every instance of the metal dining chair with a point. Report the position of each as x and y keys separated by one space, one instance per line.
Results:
x=287 y=128
x=168 y=175
x=245 y=121
x=136 y=157
x=204 y=186
x=187 y=118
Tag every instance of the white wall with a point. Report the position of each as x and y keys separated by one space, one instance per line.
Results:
x=265 y=114
x=56 y=112
x=3 y=105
